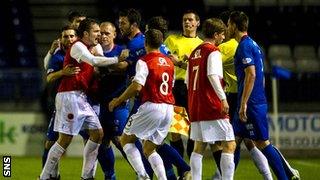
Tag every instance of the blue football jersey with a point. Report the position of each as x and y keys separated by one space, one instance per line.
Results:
x=56 y=61
x=249 y=54
x=136 y=50
x=112 y=83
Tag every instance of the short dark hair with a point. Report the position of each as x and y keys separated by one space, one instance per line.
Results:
x=85 y=25
x=133 y=15
x=74 y=14
x=158 y=22
x=154 y=38
x=191 y=11
x=240 y=19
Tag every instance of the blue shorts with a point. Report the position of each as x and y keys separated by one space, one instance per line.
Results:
x=114 y=122
x=52 y=135
x=256 y=128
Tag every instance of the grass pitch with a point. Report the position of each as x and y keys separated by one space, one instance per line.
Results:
x=28 y=168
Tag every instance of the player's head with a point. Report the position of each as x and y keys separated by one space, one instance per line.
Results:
x=154 y=39
x=214 y=29
x=158 y=22
x=68 y=36
x=108 y=34
x=190 y=22
x=238 y=22
x=75 y=17
x=89 y=32
x=129 y=20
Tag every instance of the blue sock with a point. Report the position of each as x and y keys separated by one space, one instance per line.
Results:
x=274 y=161
x=217 y=158
x=106 y=160
x=44 y=156
x=284 y=164
x=145 y=161
x=237 y=156
x=171 y=156
x=170 y=174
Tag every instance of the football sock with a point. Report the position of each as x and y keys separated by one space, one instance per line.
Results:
x=190 y=146
x=90 y=153
x=178 y=146
x=54 y=155
x=134 y=157
x=227 y=166
x=237 y=156
x=157 y=165
x=217 y=158
x=196 y=166
x=145 y=161
x=106 y=160
x=171 y=156
x=261 y=163
x=274 y=161
x=285 y=163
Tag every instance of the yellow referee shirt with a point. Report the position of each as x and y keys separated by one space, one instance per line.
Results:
x=181 y=46
x=228 y=50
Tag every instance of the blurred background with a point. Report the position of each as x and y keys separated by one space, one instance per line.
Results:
x=287 y=30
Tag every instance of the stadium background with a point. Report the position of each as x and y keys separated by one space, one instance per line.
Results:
x=288 y=31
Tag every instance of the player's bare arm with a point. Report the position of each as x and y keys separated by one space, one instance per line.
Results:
x=68 y=70
x=250 y=76
x=131 y=91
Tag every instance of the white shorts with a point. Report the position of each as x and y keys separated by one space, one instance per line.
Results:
x=73 y=112
x=151 y=122
x=212 y=131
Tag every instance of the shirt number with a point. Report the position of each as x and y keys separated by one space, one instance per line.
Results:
x=195 y=68
x=164 y=87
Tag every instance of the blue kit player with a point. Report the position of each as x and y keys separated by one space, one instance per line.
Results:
x=251 y=120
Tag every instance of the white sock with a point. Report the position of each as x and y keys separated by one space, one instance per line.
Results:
x=196 y=166
x=134 y=158
x=55 y=171
x=157 y=165
x=261 y=163
x=227 y=166
x=54 y=155
x=90 y=153
x=94 y=170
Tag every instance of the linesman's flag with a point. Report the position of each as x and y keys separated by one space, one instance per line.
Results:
x=180 y=122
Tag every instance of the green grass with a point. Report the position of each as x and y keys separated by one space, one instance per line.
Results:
x=25 y=168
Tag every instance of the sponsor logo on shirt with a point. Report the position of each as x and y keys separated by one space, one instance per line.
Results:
x=246 y=60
